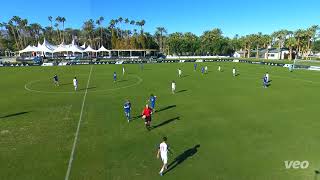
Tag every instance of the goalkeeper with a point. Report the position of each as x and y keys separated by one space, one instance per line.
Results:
x=146 y=115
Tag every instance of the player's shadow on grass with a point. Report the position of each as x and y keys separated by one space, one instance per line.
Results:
x=317 y=173
x=182 y=157
x=166 y=108
x=165 y=122
x=183 y=90
x=184 y=76
x=15 y=114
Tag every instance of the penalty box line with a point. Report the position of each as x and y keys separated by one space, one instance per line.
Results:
x=78 y=128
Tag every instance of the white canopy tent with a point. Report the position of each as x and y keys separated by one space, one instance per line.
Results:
x=83 y=46
x=75 y=48
x=89 y=49
x=44 y=48
x=61 y=48
x=28 y=49
x=48 y=45
x=103 y=49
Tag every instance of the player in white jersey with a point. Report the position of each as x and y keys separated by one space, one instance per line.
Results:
x=123 y=70
x=206 y=69
x=173 y=87
x=267 y=76
x=75 y=83
x=234 y=71
x=219 y=68
x=163 y=153
x=179 y=72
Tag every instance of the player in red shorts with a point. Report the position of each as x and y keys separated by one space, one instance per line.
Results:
x=146 y=115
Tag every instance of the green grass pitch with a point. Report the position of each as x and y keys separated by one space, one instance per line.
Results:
x=245 y=132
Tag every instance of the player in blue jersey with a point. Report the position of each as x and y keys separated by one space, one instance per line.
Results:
x=195 y=66
x=127 y=109
x=202 y=70
x=152 y=101
x=114 y=76
x=265 y=81
x=291 y=66
x=55 y=80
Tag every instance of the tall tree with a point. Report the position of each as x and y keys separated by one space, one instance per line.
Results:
x=63 y=20
x=50 y=20
x=258 y=42
x=99 y=23
x=291 y=43
x=57 y=25
x=88 y=28
x=299 y=37
x=161 y=31
x=266 y=40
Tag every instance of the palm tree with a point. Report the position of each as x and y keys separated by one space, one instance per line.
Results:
x=88 y=28
x=299 y=35
x=249 y=41
x=50 y=19
x=283 y=35
x=280 y=36
x=63 y=19
x=266 y=40
x=99 y=23
x=57 y=25
x=257 y=40
x=291 y=43
x=126 y=21
x=142 y=23
x=57 y=40
x=23 y=31
x=311 y=33
x=161 y=31
x=35 y=31
x=120 y=19
x=11 y=26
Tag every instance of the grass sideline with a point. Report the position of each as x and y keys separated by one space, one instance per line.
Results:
x=244 y=131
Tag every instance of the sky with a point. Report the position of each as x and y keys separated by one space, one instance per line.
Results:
x=196 y=16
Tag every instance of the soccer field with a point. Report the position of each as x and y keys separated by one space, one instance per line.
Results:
x=219 y=127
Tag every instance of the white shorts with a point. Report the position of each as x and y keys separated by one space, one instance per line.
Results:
x=164 y=159
x=173 y=89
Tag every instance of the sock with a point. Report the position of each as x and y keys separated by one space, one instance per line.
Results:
x=161 y=170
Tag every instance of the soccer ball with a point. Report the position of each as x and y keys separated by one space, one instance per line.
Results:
x=144 y=116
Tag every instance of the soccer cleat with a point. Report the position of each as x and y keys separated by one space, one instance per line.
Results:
x=160 y=173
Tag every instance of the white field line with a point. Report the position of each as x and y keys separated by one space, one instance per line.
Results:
x=78 y=128
x=26 y=87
